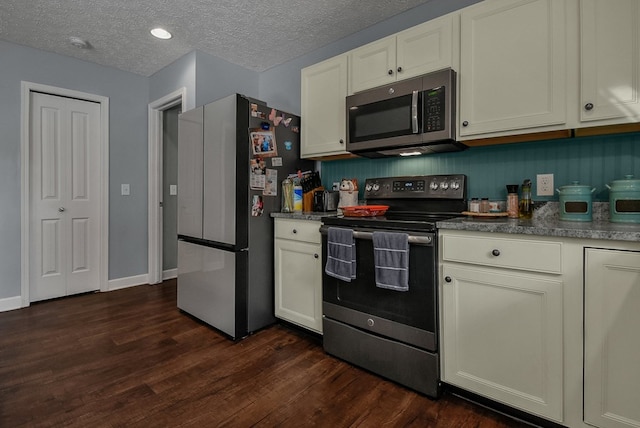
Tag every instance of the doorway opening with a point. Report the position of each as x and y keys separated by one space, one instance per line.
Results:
x=163 y=119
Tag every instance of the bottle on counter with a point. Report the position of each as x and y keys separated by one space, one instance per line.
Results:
x=526 y=204
x=484 y=205
x=474 y=205
x=297 y=198
x=512 y=201
x=287 y=195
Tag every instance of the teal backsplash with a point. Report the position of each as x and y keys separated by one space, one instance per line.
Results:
x=593 y=161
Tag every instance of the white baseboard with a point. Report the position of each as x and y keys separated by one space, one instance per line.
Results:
x=131 y=281
x=10 y=303
x=169 y=274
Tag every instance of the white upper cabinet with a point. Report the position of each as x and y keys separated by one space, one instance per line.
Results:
x=323 y=122
x=421 y=49
x=512 y=67
x=610 y=61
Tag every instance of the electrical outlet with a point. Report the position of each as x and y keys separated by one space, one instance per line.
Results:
x=544 y=185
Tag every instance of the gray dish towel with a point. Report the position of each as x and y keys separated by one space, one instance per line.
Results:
x=391 y=258
x=341 y=254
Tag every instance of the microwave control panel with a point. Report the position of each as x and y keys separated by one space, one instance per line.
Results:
x=434 y=109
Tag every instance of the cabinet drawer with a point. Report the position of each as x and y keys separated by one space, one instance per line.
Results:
x=523 y=254
x=298 y=230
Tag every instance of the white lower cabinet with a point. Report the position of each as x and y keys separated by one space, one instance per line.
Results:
x=612 y=340
x=502 y=325
x=298 y=272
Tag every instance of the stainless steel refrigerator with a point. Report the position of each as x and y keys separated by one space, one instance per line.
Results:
x=227 y=177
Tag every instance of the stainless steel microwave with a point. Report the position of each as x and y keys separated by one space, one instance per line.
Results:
x=411 y=117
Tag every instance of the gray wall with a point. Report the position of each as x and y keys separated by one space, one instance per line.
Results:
x=128 y=97
x=217 y=78
x=206 y=79
x=280 y=85
x=178 y=74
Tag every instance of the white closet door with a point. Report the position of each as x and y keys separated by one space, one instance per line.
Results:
x=65 y=196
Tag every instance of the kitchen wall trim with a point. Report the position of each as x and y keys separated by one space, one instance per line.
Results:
x=26 y=89
x=131 y=281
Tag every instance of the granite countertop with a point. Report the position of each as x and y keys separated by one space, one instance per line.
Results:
x=546 y=222
x=306 y=215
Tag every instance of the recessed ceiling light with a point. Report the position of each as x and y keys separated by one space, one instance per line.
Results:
x=161 y=33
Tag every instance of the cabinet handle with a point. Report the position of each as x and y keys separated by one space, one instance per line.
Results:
x=447 y=279
x=390 y=72
x=315 y=256
x=341 y=141
x=61 y=209
x=496 y=252
x=399 y=69
x=295 y=231
x=588 y=106
x=465 y=123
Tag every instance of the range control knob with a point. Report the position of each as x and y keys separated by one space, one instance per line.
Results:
x=368 y=187
x=433 y=185
x=376 y=187
x=455 y=185
x=444 y=185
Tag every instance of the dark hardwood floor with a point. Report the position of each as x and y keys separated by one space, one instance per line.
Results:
x=130 y=358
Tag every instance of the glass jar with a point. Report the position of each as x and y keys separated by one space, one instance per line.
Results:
x=526 y=204
x=512 y=201
x=484 y=205
x=287 y=195
x=474 y=205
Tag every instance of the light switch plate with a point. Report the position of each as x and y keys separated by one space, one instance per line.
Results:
x=173 y=189
x=124 y=190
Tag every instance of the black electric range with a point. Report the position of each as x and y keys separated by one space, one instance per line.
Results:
x=393 y=333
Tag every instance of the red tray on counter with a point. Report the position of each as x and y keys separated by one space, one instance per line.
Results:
x=364 y=210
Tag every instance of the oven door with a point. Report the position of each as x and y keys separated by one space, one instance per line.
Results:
x=406 y=316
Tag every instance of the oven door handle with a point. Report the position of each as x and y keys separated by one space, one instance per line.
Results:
x=413 y=239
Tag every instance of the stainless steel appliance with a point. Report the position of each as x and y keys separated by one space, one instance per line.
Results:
x=393 y=333
x=411 y=117
x=325 y=200
x=225 y=247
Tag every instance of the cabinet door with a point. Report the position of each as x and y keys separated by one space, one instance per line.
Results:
x=426 y=47
x=190 y=169
x=373 y=65
x=610 y=60
x=502 y=337
x=323 y=121
x=512 y=72
x=298 y=283
x=612 y=342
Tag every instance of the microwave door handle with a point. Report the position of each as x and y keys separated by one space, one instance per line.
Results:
x=414 y=111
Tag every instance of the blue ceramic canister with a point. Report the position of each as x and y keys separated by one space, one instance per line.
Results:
x=624 y=200
x=576 y=202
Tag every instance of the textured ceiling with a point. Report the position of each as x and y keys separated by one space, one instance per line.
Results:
x=254 y=34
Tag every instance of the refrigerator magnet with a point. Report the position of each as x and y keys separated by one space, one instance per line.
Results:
x=288 y=145
x=271 y=185
x=254 y=110
x=277 y=161
x=263 y=143
x=257 y=207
